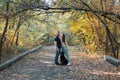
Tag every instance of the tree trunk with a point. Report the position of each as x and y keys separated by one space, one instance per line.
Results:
x=17 y=38
x=112 y=60
x=5 y=30
x=115 y=32
x=106 y=46
x=16 y=32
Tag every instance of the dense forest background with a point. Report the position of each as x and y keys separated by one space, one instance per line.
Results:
x=91 y=25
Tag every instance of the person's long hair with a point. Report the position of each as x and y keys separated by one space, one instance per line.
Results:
x=63 y=38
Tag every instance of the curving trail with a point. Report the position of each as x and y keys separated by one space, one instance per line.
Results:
x=40 y=66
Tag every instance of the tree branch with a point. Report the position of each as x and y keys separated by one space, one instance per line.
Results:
x=46 y=8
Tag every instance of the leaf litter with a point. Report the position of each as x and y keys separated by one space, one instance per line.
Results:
x=40 y=66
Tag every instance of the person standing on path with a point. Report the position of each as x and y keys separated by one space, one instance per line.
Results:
x=58 y=47
x=65 y=48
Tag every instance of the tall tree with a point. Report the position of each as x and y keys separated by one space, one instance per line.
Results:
x=5 y=28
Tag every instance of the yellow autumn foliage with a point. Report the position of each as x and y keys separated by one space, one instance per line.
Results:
x=84 y=28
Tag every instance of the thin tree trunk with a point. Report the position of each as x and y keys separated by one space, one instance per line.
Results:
x=106 y=46
x=17 y=38
x=16 y=32
x=115 y=34
x=5 y=30
x=105 y=20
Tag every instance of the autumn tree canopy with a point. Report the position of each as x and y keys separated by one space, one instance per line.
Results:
x=94 y=24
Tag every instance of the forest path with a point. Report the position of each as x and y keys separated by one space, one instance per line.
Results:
x=40 y=66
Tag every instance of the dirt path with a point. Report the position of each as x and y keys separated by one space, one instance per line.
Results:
x=40 y=66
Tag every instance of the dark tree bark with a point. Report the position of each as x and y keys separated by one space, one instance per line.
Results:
x=115 y=30
x=105 y=20
x=106 y=46
x=16 y=32
x=17 y=38
x=5 y=30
